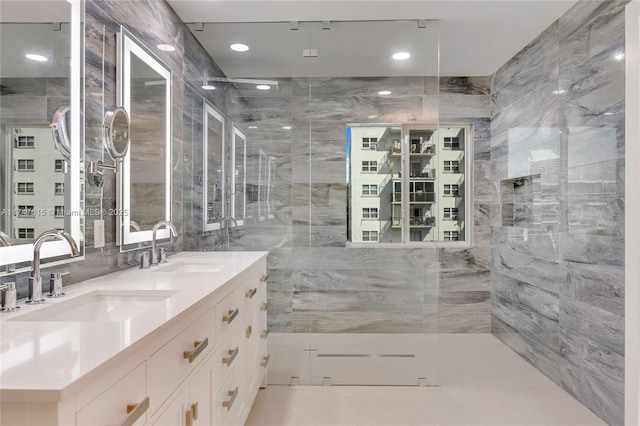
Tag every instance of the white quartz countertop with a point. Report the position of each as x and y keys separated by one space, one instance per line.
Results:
x=42 y=359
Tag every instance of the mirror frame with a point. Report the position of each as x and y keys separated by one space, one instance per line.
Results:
x=236 y=135
x=24 y=252
x=127 y=45
x=209 y=110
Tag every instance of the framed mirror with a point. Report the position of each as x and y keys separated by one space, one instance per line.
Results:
x=239 y=175
x=144 y=89
x=41 y=81
x=214 y=163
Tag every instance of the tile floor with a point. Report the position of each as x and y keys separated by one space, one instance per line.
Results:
x=482 y=382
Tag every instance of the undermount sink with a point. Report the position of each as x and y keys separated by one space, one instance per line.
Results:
x=99 y=306
x=193 y=267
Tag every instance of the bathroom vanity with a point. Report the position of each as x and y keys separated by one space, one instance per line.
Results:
x=181 y=343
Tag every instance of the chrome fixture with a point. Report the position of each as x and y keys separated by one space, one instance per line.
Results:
x=6 y=242
x=35 y=281
x=174 y=233
x=55 y=284
x=225 y=226
x=144 y=260
x=9 y=297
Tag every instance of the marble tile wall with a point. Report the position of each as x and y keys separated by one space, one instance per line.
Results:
x=557 y=283
x=316 y=283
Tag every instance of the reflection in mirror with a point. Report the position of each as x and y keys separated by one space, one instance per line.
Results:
x=214 y=179
x=239 y=143
x=145 y=93
x=40 y=86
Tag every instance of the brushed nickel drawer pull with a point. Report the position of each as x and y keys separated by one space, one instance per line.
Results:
x=249 y=331
x=189 y=421
x=198 y=347
x=232 y=314
x=264 y=278
x=134 y=412
x=233 y=394
x=264 y=306
x=265 y=361
x=252 y=292
x=265 y=333
x=233 y=353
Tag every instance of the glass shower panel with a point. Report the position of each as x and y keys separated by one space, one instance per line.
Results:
x=371 y=307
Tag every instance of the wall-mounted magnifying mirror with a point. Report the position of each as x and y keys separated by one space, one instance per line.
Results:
x=115 y=140
x=214 y=177
x=40 y=154
x=144 y=91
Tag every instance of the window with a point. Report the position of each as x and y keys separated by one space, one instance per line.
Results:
x=410 y=190
x=369 y=212
x=369 y=189
x=450 y=213
x=26 y=232
x=58 y=166
x=451 y=142
x=451 y=235
x=24 y=141
x=26 y=211
x=58 y=211
x=26 y=165
x=58 y=188
x=452 y=190
x=370 y=143
x=370 y=236
x=25 y=187
x=369 y=166
x=452 y=166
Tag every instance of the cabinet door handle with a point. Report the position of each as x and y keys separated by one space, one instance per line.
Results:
x=189 y=421
x=198 y=348
x=252 y=292
x=264 y=278
x=264 y=306
x=194 y=411
x=265 y=333
x=134 y=412
x=232 y=355
x=265 y=361
x=233 y=394
x=232 y=314
x=249 y=331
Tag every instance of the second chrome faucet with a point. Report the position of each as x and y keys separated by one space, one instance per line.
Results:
x=158 y=257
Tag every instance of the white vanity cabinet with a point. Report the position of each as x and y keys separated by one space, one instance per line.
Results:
x=202 y=367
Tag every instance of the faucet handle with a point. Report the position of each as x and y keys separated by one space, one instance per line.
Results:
x=55 y=284
x=9 y=297
x=162 y=255
x=144 y=260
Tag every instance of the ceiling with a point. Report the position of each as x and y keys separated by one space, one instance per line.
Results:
x=476 y=37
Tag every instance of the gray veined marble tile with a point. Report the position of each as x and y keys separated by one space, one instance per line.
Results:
x=357 y=322
x=601 y=286
x=525 y=296
x=538 y=272
x=409 y=302
x=347 y=280
x=464 y=312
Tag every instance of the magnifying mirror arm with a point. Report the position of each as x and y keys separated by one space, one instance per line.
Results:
x=6 y=242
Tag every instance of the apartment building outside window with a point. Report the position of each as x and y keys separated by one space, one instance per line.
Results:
x=26 y=165
x=25 y=187
x=26 y=211
x=24 y=141
x=370 y=143
x=369 y=189
x=58 y=188
x=26 y=233
x=369 y=166
x=58 y=166
x=416 y=176
x=58 y=211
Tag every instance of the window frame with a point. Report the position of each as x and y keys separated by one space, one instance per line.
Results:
x=370 y=213
x=370 y=164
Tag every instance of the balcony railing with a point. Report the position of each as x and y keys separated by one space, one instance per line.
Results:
x=415 y=197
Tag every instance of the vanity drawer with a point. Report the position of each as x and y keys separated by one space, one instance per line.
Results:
x=229 y=313
x=227 y=403
x=229 y=353
x=171 y=363
x=110 y=408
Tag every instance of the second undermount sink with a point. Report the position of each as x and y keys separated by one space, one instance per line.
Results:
x=99 y=306
x=192 y=267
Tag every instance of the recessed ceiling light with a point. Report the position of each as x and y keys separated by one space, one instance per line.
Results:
x=384 y=92
x=286 y=127
x=401 y=56
x=263 y=87
x=253 y=127
x=608 y=113
x=372 y=117
x=239 y=47
x=558 y=92
x=208 y=87
x=619 y=56
x=166 y=47
x=37 y=58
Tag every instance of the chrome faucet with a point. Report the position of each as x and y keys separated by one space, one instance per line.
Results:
x=35 y=281
x=174 y=232
x=6 y=242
